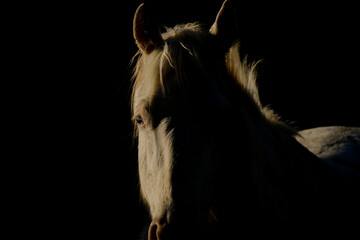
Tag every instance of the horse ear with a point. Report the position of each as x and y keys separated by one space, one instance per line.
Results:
x=225 y=25
x=146 y=31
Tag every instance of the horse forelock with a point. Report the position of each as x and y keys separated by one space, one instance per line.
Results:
x=150 y=70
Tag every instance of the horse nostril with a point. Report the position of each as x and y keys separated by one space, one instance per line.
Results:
x=156 y=230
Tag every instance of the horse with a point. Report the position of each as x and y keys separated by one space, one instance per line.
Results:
x=213 y=162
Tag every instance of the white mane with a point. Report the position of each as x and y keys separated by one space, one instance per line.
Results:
x=244 y=74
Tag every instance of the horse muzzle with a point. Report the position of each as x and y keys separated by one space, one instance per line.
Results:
x=158 y=229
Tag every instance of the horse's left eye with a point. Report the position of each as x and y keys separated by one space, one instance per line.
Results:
x=139 y=120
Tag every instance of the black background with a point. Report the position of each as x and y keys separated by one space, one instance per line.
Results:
x=88 y=185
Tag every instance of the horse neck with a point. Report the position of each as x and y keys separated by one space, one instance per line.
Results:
x=279 y=165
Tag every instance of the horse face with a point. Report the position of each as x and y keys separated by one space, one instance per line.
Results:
x=175 y=105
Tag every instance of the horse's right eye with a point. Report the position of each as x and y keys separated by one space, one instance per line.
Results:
x=139 y=120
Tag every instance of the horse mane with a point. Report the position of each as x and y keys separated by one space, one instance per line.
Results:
x=161 y=59
x=245 y=75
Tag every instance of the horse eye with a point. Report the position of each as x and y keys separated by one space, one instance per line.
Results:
x=139 y=120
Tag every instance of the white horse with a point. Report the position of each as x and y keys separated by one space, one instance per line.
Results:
x=213 y=162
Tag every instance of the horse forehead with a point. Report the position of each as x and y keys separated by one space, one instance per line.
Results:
x=146 y=90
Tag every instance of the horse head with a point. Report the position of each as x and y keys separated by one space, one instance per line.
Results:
x=182 y=90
